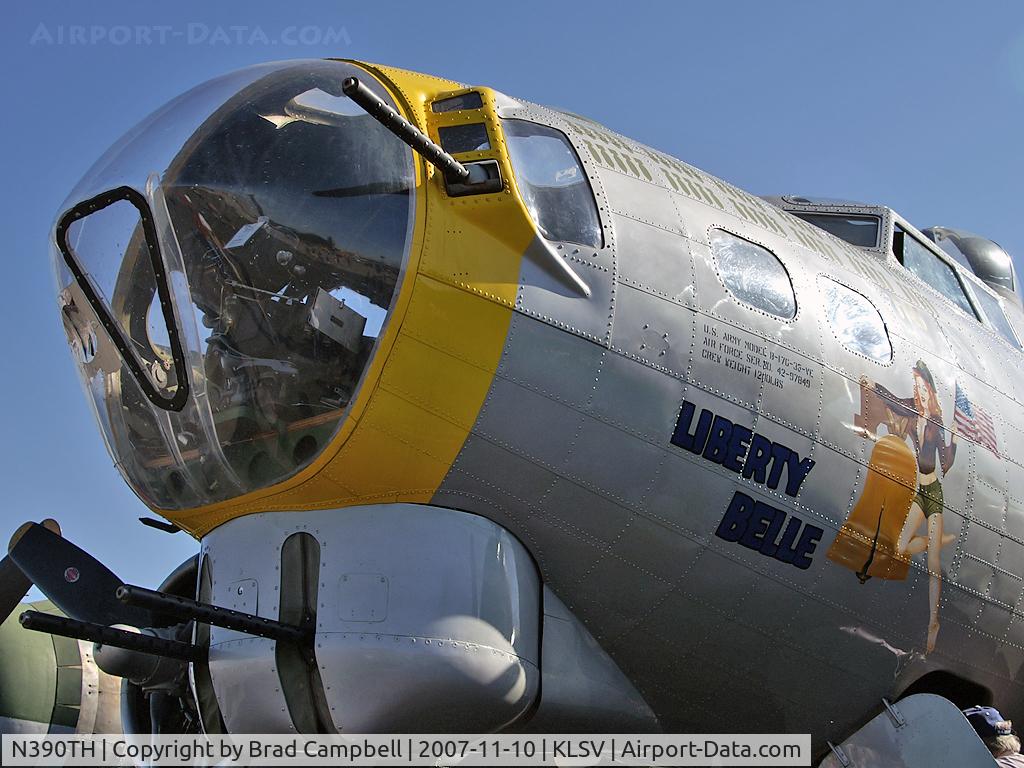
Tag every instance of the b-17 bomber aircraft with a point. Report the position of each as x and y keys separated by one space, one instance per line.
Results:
x=486 y=417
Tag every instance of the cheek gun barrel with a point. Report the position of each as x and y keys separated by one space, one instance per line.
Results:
x=452 y=169
x=186 y=609
x=119 y=638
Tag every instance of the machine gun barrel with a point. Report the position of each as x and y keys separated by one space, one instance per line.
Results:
x=119 y=638
x=191 y=610
x=376 y=107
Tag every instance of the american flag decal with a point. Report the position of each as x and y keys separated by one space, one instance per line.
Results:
x=973 y=422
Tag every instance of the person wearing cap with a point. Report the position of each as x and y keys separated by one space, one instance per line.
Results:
x=997 y=733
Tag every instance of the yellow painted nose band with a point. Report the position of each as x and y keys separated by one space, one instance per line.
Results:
x=440 y=349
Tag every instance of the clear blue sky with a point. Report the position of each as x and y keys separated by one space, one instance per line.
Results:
x=919 y=105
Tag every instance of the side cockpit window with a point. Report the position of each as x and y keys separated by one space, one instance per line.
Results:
x=551 y=180
x=920 y=260
x=753 y=274
x=996 y=317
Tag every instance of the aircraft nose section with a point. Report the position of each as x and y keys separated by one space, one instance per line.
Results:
x=225 y=273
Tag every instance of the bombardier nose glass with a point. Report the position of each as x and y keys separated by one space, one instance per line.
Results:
x=282 y=220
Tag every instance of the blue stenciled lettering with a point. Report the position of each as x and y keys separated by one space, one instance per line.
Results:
x=718 y=440
x=753 y=537
x=697 y=440
x=758 y=525
x=796 y=472
x=758 y=458
x=770 y=547
x=780 y=459
x=740 y=450
x=733 y=459
x=736 y=517
x=809 y=539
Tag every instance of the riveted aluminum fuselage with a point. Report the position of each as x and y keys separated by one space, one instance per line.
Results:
x=501 y=389
x=572 y=452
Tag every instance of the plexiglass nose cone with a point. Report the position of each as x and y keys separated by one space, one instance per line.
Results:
x=224 y=273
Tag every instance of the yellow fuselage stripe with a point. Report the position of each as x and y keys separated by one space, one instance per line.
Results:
x=440 y=349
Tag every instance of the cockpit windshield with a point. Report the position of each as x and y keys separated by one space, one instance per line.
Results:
x=281 y=216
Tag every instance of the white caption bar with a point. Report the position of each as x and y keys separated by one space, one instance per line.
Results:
x=410 y=750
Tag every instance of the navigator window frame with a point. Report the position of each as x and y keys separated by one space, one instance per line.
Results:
x=82 y=211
